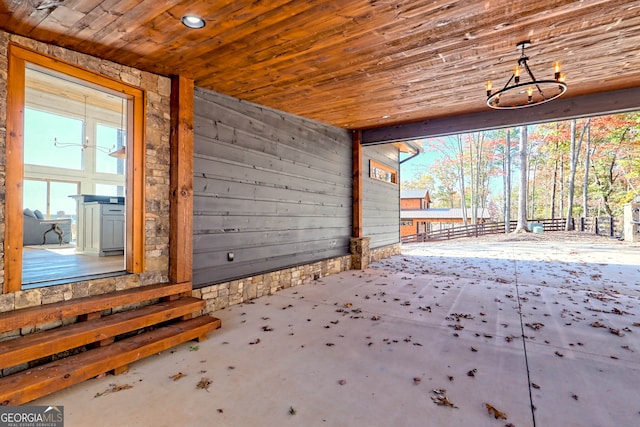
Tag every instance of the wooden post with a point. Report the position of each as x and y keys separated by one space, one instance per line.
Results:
x=356 y=161
x=181 y=198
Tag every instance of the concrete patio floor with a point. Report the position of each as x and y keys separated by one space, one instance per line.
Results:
x=546 y=332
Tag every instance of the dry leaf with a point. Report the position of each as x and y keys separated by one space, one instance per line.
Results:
x=267 y=328
x=559 y=354
x=114 y=388
x=256 y=341
x=177 y=376
x=204 y=383
x=535 y=326
x=472 y=373
x=441 y=399
x=616 y=332
x=495 y=412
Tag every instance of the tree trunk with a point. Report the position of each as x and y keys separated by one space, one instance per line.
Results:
x=507 y=185
x=463 y=202
x=585 y=186
x=522 y=226
x=574 y=154
x=553 y=188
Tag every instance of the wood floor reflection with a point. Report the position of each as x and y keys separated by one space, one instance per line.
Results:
x=53 y=263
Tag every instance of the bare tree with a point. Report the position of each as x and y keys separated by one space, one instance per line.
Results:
x=463 y=200
x=585 y=186
x=575 y=146
x=507 y=182
x=521 y=226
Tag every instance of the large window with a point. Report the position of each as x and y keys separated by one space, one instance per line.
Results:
x=73 y=136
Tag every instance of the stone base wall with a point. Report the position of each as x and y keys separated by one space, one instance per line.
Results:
x=235 y=292
x=385 y=252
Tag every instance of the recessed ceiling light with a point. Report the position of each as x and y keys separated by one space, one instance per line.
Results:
x=193 y=21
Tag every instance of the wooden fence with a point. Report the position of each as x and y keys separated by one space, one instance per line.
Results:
x=598 y=225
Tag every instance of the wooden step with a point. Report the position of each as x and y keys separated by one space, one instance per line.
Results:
x=40 y=314
x=31 y=384
x=46 y=343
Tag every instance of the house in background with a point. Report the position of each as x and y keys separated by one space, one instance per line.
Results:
x=416 y=221
x=414 y=199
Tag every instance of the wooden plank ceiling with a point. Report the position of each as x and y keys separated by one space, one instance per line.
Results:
x=356 y=64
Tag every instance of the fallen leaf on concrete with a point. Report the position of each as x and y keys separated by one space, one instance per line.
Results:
x=292 y=411
x=348 y=305
x=472 y=373
x=495 y=412
x=204 y=383
x=375 y=318
x=114 y=388
x=256 y=341
x=194 y=348
x=441 y=398
x=416 y=380
x=559 y=354
x=329 y=344
x=616 y=332
x=473 y=349
x=536 y=386
x=342 y=382
x=177 y=376
x=598 y=325
x=535 y=326
x=574 y=396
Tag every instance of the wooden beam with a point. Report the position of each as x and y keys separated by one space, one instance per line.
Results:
x=181 y=199
x=619 y=101
x=14 y=171
x=357 y=184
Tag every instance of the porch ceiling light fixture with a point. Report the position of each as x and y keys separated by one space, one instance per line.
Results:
x=520 y=94
x=193 y=21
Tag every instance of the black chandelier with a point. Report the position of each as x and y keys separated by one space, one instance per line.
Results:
x=516 y=94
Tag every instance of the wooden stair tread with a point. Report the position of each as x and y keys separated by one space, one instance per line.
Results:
x=46 y=343
x=40 y=314
x=31 y=384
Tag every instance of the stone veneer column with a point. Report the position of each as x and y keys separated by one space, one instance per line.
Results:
x=360 y=256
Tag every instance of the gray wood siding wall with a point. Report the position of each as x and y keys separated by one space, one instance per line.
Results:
x=272 y=188
x=381 y=200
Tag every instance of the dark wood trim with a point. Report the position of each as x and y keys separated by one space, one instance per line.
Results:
x=181 y=199
x=619 y=101
x=357 y=184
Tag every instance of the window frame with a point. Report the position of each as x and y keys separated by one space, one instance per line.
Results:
x=392 y=177
x=18 y=58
